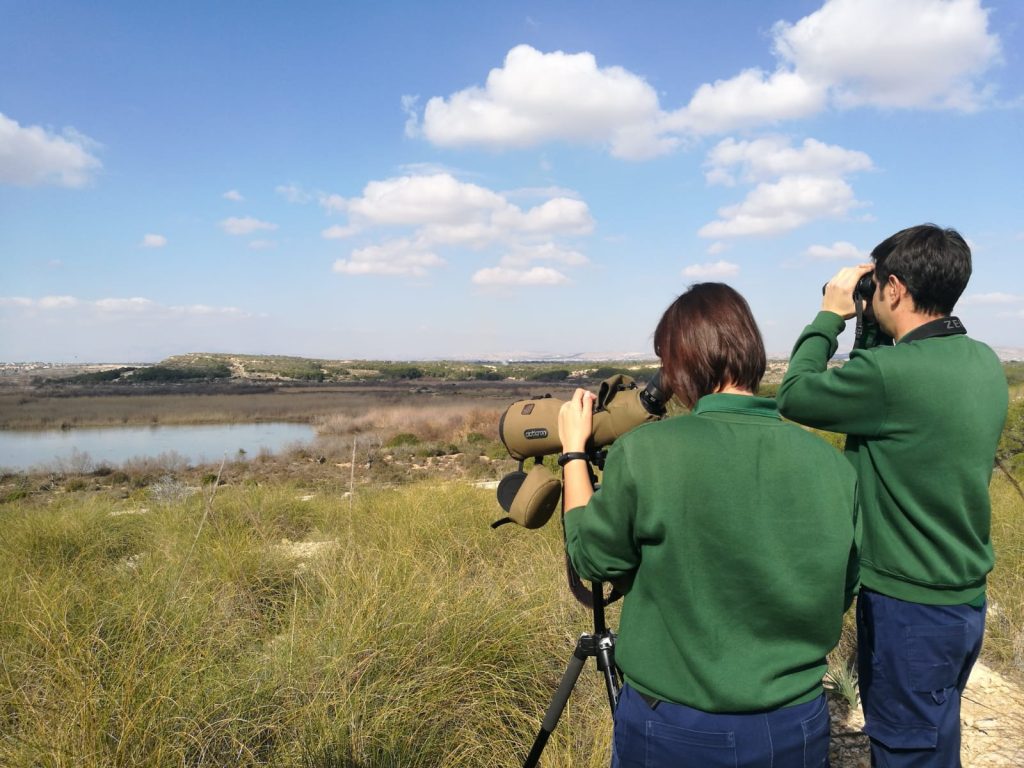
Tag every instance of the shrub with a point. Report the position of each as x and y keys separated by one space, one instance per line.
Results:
x=167 y=373
x=402 y=439
x=437 y=449
x=559 y=374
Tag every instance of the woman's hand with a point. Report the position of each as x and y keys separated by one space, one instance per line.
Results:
x=576 y=421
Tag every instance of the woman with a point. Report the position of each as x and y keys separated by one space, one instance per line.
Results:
x=734 y=533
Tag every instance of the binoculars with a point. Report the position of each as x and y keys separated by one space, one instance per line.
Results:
x=864 y=289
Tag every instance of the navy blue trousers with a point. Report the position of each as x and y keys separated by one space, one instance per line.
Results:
x=913 y=664
x=675 y=736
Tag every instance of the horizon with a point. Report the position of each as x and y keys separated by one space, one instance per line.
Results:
x=448 y=182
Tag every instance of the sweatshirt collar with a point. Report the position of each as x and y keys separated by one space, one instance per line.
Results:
x=943 y=326
x=744 y=404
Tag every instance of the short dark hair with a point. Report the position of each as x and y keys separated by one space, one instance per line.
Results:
x=707 y=339
x=934 y=264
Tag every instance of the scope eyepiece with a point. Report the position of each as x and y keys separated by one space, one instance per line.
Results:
x=653 y=398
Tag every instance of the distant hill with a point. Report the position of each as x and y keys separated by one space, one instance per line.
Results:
x=200 y=367
x=1009 y=354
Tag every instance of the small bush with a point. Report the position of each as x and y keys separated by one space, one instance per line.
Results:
x=402 y=439
x=559 y=374
x=437 y=449
x=16 y=494
x=487 y=376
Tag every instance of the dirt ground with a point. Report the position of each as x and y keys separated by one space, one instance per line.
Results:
x=992 y=726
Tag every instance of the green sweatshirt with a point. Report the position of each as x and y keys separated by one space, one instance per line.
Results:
x=923 y=419
x=735 y=534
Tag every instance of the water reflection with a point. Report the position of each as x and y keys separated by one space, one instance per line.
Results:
x=207 y=443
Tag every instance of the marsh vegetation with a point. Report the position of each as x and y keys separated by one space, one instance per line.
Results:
x=343 y=604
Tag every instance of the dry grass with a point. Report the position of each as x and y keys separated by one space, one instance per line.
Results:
x=422 y=638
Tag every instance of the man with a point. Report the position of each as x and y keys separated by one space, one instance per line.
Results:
x=922 y=419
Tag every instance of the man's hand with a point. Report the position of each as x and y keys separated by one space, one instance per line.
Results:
x=838 y=296
x=576 y=421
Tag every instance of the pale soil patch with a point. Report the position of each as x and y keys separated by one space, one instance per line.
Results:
x=304 y=550
x=992 y=726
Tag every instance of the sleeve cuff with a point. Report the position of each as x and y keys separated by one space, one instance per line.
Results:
x=829 y=322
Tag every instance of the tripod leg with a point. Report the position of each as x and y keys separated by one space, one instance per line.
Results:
x=557 y=705
x=606 y=663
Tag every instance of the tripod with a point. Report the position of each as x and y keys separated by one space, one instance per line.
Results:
x=600 y=644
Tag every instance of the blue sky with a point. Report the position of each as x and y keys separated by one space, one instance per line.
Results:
x=410 y=180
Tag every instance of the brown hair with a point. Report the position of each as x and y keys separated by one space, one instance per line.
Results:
x=708 y=339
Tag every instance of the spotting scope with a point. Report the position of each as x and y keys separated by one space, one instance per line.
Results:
x=529 y=428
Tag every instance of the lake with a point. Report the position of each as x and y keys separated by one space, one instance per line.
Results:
x=198 y=444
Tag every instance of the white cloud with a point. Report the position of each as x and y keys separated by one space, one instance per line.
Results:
x=990 y=298
x=521 y=255
x=113 y=307
x=558 y=216
x=749 y=99
x=153 y=241
x=333 y=203
x=293 y=193
x=418 y=200
x=787 y=204
x=553 y=191
x=245 y=225
x=412 y=117
x=204 y=310
x=537 y=97
x=712 y=269
x=838 y=251
x=515 y=277
x=393 y=258
x=440 y=211
x=793 y=185
x=136 y=304
x=449 y=206
x=717 y=247
x=57 y=302
x=773 y=157
x=911 y=53
x=33 y=156
x=234 y=195
x=338 y=232
x=262 y=245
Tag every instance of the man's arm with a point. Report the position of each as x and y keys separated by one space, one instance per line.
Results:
x=849 y=399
